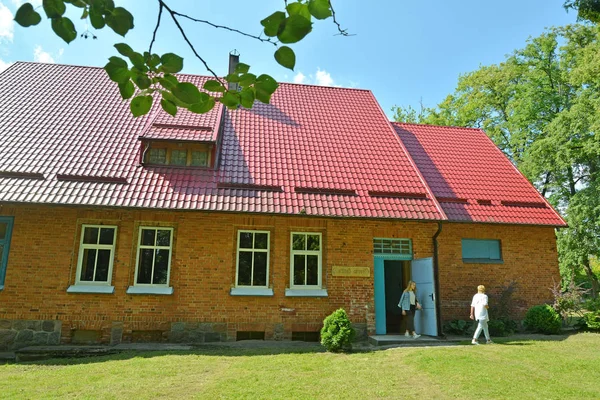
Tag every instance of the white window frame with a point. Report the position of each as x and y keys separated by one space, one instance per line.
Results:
x=237 y=260
x=155 y=247
x=86 y=246
x=306 y=252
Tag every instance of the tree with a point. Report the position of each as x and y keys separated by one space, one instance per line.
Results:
x=587 y=10
x=541 y=107
x=143 y=76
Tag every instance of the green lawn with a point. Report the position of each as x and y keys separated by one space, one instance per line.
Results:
x=509 y=369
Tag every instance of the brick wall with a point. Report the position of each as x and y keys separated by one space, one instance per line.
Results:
x=529 y=257
x=43 y=263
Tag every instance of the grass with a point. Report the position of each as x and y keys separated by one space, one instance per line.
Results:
x=564 y=369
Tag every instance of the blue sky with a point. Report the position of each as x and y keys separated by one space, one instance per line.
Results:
x=404 y=51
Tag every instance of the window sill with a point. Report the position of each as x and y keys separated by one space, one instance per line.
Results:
x=149 y=290
x=91 y=289
x=481 y=261
x=247 y=291
x=306 y=292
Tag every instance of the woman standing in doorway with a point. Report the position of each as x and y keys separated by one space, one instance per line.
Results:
x=409 y=304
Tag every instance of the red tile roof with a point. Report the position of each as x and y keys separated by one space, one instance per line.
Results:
x=472 y=179
x=313 y=150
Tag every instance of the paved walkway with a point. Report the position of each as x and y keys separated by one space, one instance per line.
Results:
x=376 y=342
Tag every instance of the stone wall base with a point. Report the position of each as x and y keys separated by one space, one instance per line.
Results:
x=16 y=334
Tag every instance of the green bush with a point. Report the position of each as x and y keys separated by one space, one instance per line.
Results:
x=543 y=319
x=337 y=332
x=459 y=327
x=502 y=327
x=592 y=320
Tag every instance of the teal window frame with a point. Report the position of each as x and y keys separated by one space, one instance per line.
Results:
x=6 y=245
x=482 y=251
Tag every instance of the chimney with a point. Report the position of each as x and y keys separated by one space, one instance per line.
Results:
x=234 y=59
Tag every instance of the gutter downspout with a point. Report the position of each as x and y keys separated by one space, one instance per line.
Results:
x=436 y=277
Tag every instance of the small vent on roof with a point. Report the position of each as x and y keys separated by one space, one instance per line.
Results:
x=529 y=204
x=452 y=200
x=179 y=126
x=21 y=175
x=248 y=186
x=400 y=195
x=94 y=179
x=484 y=202
x=325 y=191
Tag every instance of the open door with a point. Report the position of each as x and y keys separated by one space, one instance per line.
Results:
x=422 y=275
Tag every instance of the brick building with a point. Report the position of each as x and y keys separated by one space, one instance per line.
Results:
x=246 y=223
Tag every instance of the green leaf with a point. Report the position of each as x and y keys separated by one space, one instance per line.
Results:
x=203 y=106
x=265 y=86
x=295 y=28
x=117 y=70
x=54 y=8
x=142 y=81
x=241 y=68
x=119 y=20
x=286 y=57
x=124 y=49
x=140 y=105
x=187 y=92
x=272 y=22
x=152 y=60
x=26 y=16
x=169 y=107
x=247 y=80
x=138 y=61
x=231 y=99
x=298 y=9
x=97 y=19
x=214 y=86
x=232 y=78
x=168 y=82
x=247 y=97
x=127 y=89
x=171 y=63
x=64 y=28
x=319 y=9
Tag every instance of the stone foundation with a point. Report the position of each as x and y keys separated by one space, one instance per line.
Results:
x=16 y=334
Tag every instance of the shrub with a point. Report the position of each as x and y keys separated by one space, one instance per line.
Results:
x=502 y=327
x=337 y=332
x=543 y=319
x=592 y=320
x=568 y=302
x=458 y=327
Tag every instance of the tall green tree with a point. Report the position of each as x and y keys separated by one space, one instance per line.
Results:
x=541 y=106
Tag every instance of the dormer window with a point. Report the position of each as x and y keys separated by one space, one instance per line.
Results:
x=177 y=154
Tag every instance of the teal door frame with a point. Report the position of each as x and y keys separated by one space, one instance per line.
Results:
x=379 y=288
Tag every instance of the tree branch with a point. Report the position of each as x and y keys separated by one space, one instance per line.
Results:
x=268 y=40
x=160 y=8
x=173 y=16
x=343 y=32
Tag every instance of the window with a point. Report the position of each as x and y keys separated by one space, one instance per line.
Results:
x=253 y=259
x=399 y=247
x=199 y=159
x=154 y=256
x=178 y=157
x=157 y=156
x=305 y=258
x=96 y=254
x=178 y=154
x=481 y=251
x=6 y=224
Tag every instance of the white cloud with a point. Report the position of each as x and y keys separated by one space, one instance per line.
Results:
x=323 y=78
x=7 y=24
x=320 y=78
x=299 y=78
x=4 y=65
x=40 y=55
x=34 y=3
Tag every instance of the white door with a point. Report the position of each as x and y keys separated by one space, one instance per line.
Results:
x=422 y=275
